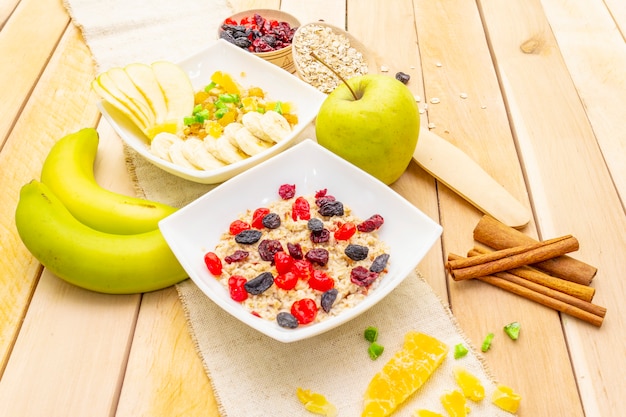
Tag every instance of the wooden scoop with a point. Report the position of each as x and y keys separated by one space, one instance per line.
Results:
x=463 y=175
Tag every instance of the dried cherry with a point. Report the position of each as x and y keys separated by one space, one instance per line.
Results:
x=268 y=248
x=304 y=310
x=213 y=263
x=317 y=256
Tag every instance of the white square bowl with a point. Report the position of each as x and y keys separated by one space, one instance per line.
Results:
x=248 y=70
x=197 y=227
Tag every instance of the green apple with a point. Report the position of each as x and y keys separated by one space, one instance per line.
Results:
x=375 y=129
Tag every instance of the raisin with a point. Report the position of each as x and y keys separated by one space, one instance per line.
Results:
x=295 y=250
x=260 y=283
x=268 y=248
x=271 y=221
x=287 y=191
x=315 y=225
x=332 y=208
x=362 y=277
x=403 y=77
x=237 y=256
x=328 y=299
x=248 y=237
x=380 y=263
x=287 y=320
x=320 y=237
x=317 y=256
x=356 y=252
x=371 y=224
x=320 y=201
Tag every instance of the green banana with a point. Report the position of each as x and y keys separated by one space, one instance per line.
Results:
x=88 y=258
x=68 y=172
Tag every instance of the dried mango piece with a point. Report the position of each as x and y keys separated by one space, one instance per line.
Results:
x=470 y=385
x=225 y=81
x=426 y=413
x=316 y=403
x=403 y=374
x=505 y=398
x=455 y=404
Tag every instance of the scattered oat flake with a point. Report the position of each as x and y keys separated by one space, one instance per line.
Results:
x=463 y=95
x=384 y=68
x=431 y=125
x=483 y=107
x=417 y=98
x=435 y=100
x=438 y=64
x=422 y=111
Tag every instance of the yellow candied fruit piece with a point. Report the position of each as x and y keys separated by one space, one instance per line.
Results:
x=213 y=128
x=228 y=118
x=505 y=398
x=200 y=97
x=316 y=403
x=224 y=80
x=455 y=404
x=403 y=374
x=291 y=118
x=250 y=104
x=426 y=413
x=256 y=92
x=470 y=385
x=169 y=127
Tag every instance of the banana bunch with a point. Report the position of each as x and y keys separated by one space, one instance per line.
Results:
x=89 y=236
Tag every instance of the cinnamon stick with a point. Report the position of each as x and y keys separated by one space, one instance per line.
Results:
x=498 y=236
x=583 y=292
x=548 y=297
x=505 y=259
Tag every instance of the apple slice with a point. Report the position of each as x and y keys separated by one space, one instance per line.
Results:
x=177 y=89
x=122 y=81
x=146 y=82
x=118 y=100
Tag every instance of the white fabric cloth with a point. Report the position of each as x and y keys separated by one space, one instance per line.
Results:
x=253 y=375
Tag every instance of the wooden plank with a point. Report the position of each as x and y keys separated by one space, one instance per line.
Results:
x=471 y=113
x=6 y=9
x=595 y=54
x=559 y=147
x=26 y=42
x=59 y=105
x=330 y=11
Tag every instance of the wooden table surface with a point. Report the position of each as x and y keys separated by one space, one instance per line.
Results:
x=544 y=114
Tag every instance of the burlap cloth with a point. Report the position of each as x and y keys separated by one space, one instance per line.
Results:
x=253 y=375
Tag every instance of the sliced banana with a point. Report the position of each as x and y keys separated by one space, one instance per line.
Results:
x=223 y=150
x=230 y=130
x=177 y=156
x=252 y=120
x=161 y=143
x=275 y=125
x=250 y=143
x=195 y=152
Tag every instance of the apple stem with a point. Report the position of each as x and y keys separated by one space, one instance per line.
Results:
x=335 y=72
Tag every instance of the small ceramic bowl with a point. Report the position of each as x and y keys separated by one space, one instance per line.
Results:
x=281 y=57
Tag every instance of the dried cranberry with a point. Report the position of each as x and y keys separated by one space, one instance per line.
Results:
x=332 y=208
x=236 y=288
x=317 y=256
x=260 y=283
x=287 y=191
x=238 y=226
x=237 y=256
x=248 y=237
x=380 y=263
x=320 y=201
x=328 y=299
x=345 y=231
x=321 y=281
x=257 y=217
x=213 y=263
x=268 y=248
x=295 y=250
x=301 y=209
x=321 y=193
x=286 y=281
x=320 y=237
x=371 y=224
x=304 y=310
x=287 y=320
x=356 y=252
x=271 y=221
x=362 y=276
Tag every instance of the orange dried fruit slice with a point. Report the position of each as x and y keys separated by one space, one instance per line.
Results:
x=455 y=404
x=470 y=385
x=316 y=403
x=505 y=398
x=403 y=374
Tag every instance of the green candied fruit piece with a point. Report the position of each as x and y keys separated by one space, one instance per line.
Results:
x=487 y=342
x=459 y=351
x=512 y=330
x=375 y=350
x=371 y=334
